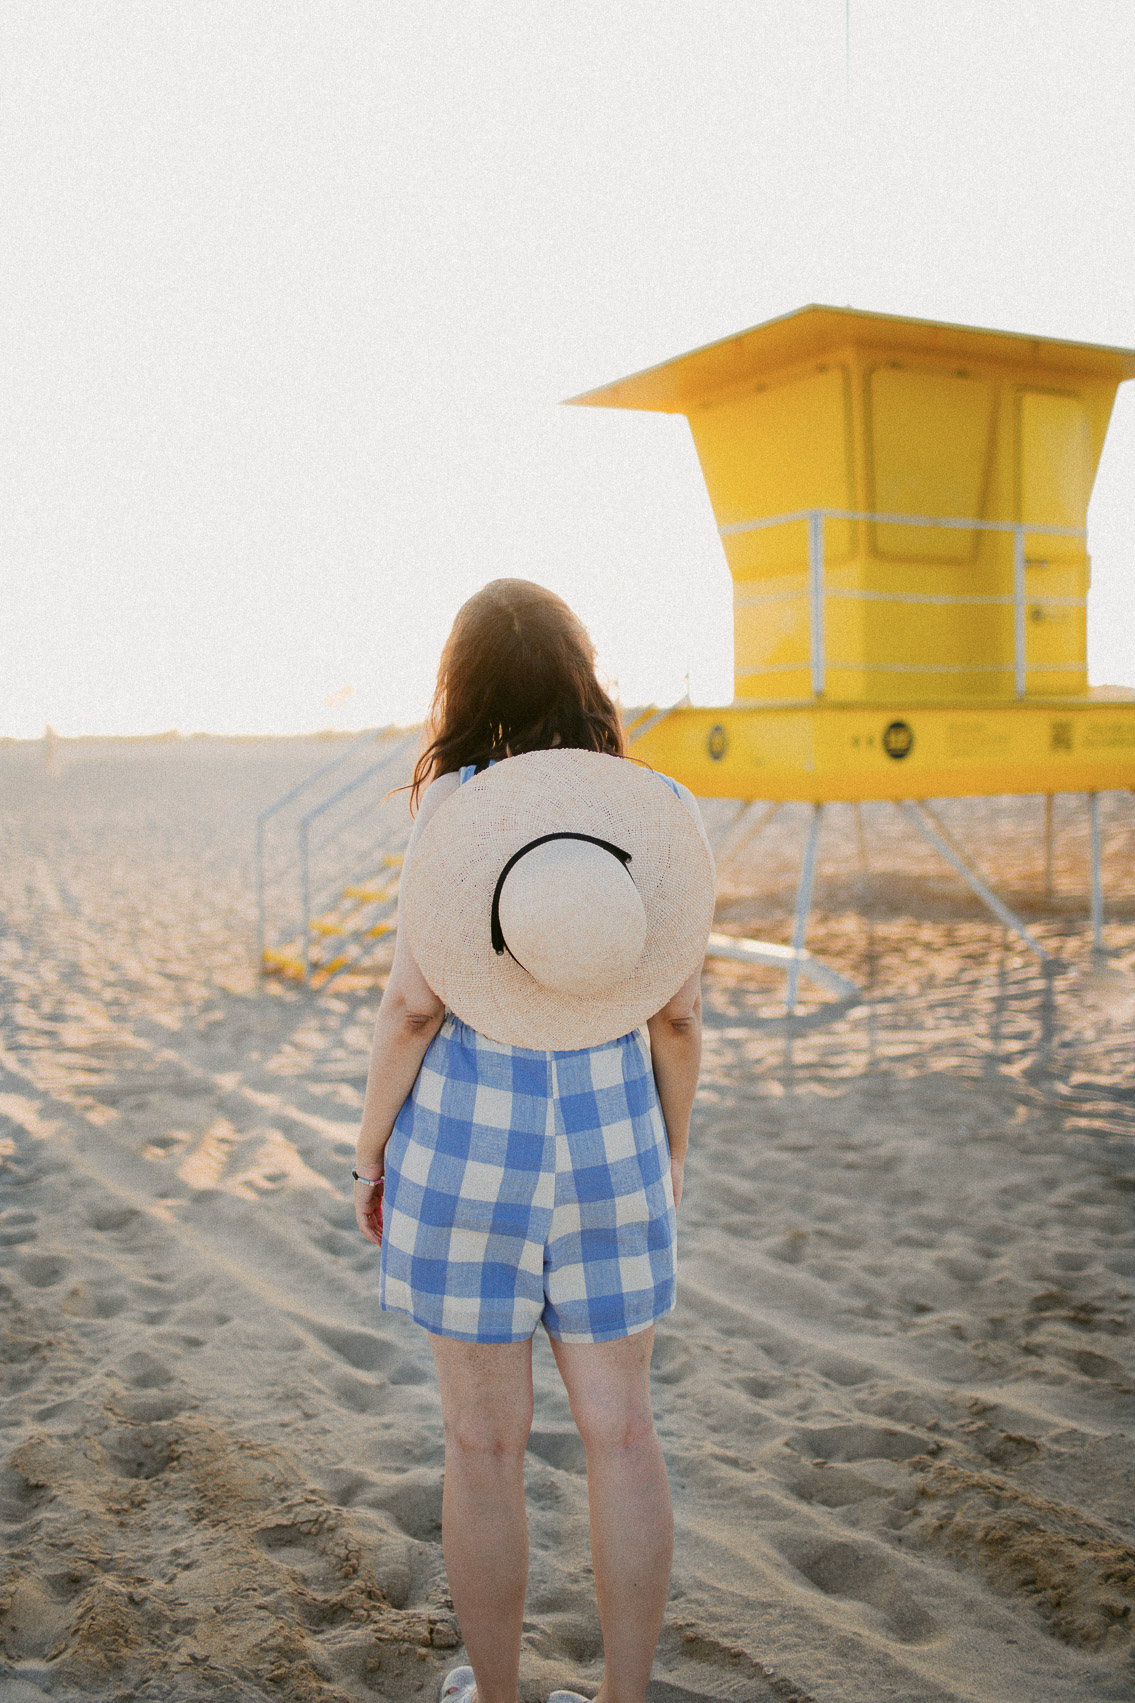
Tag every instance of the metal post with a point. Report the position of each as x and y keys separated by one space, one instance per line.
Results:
x=749 y=831
x=861 y=839
x=803 y=906
x=651 y=721
x=1097 y=882
x=933 y=831
x=743 y=806
x=260 y=895
x=305 y=900
x=1048 y=845
x=738 y=949
x=816 y=597
x=1019 y=668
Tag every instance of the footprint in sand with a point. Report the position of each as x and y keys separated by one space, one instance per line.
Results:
x=859 y=1443
x=149 y=1396
x=112 y=1219
x=863 y=1575
x=761 y=1388
x=560 y=1449
x=413 y=1501
x=672 y=1361
x=43 y=1271
x=368 y=1352
x=1097 y=1366
x=143 y=1371
x=22 y=1489
x=832 y=1487
x=16 y=1226
x=102 y=1298
x=344 y=1486
x=356 y=1395
x=574 y=1635
x=840 y=1370
x=194 y=1318
x=138 y=1450
x=363 y=1350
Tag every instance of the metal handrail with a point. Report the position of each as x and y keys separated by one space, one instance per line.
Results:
x=298 y=860
x=651 y=719
x=755 y=599
x=335 y=888
x=359 y=780
x=369 y=735
x=955 y=522
x=817 y=592
x=305 y=846
x=351 y=956
x=340 y=829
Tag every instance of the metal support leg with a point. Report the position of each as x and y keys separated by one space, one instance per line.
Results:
x=1048 y=845
x=860 y=838
x=722 y=839
x=260 y=896
x=651 y=721
x=729 y=853
x=933 y=831
x=816 y=599
x=1020 y=670
x=738 y=949
x=305 y=900
x=1097 y=880
x=803 y=907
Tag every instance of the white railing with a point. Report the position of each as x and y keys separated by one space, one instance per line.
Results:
x=322 y=849
x=818 y=592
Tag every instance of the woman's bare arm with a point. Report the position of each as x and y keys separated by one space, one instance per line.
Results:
x=409 y=1017
x=675 y=1045
x=675 y=1049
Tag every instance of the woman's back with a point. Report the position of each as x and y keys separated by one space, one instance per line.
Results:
x=530 y=1141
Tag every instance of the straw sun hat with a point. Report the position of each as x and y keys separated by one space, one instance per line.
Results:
x=559 y=898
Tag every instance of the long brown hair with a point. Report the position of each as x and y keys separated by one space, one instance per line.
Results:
x=517 y=674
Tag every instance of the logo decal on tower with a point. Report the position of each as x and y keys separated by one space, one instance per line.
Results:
x=898 y=739
x=718 y=742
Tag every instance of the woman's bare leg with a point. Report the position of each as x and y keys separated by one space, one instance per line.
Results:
x=486 y=1401
x=632 y=1525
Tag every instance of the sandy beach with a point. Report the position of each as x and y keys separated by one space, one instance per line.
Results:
x=895 y=1396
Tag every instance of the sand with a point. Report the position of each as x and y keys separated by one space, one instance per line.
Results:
x=895 y=1396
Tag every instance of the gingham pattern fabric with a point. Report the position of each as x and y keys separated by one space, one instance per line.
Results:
x=524 y=1186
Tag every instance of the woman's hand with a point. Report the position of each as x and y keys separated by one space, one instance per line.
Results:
x=678 y=1180
x=368 y=1210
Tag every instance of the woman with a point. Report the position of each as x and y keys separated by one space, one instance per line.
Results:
x=518 y=719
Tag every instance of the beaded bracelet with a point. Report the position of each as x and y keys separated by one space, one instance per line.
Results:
x=371 y=1182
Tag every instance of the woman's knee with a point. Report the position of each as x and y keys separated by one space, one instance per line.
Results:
x=614 y=1421
x=487 y=1436
x=489 y=1422
x=486 y=1398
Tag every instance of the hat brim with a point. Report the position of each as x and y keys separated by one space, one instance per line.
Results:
x=446 y=894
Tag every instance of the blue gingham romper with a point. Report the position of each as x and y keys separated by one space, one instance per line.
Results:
x=526 y=1187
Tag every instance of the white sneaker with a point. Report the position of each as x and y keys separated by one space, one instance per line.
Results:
x=458 y=1686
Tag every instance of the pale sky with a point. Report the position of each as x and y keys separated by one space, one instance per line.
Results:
x=292 y=292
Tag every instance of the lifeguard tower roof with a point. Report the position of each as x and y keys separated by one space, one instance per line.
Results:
x=811 y=332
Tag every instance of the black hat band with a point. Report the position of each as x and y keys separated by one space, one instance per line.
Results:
x=496 y=933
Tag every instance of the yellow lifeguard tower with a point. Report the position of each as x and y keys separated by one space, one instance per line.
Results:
x=903 y=507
